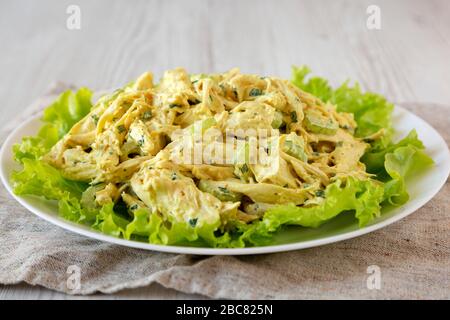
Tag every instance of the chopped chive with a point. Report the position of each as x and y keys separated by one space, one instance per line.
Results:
x=193 y=222
x=121 y=128
x=294 y=116
x=320 y=193
x=223 y=189
x=254 y=92
x=141 y=141
x=133 y=207
x=147 y=115
x=95 y=118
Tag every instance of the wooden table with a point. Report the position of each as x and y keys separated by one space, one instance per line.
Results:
x=406 y=60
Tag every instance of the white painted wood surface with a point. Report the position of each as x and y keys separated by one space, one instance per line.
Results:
x=407 y=60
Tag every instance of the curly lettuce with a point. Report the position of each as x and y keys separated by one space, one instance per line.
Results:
x=372 y=112
x=39 y=178
x=69 y=108
x=390 y=162
x=363 y=198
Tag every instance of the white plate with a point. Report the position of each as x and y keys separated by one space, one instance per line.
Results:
x=421 y=188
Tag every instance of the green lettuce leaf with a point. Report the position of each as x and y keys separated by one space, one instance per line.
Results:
x=374 y=158
x=391 y=162
x=399 y=164
x=363 y=197
x=154 y=229
x=110 y=222
x=58 y=118
x=372 y=112
x=37 y=177
x=68 y=109
x=37 y=146
x=394 y=163
x=40 y=179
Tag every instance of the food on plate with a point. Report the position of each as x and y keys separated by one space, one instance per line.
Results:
x=221 y=160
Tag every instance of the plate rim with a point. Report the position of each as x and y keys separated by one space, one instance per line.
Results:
x=93 y=234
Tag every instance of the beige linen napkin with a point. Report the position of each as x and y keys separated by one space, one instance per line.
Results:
x=413 y=255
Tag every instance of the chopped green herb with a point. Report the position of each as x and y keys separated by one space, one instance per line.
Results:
x=339 y=143
x=141 y=141
x=220 y=192
x=294 y=116
x=193 y=222
x=254 y=92
x=174 y=105
x=320 y=193
x=174 y=176
x=121 y=128
x=95 y=118
x=244 y=168
x=223 y=189
x=133 y=207
x=147 y=115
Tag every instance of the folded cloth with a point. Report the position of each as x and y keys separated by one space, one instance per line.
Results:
x=411 y=258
